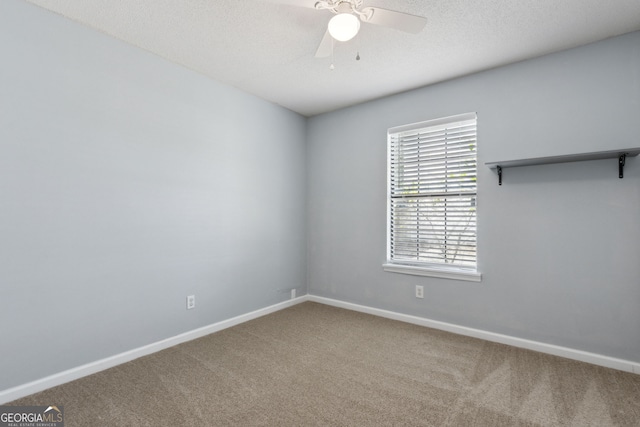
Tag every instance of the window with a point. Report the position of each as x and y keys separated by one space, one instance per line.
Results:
x=432 y=197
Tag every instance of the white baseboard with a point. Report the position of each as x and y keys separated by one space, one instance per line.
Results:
x=569 y=353
x=109 y=362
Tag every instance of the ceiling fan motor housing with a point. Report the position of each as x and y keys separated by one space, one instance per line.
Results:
x=340 y=6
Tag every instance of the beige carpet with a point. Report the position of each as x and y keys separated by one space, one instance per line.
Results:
x=313 y=364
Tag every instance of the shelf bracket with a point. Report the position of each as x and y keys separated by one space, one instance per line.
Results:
x=621 y=161
x=499 y=169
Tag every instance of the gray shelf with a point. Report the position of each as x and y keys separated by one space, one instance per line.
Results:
x=620 y=154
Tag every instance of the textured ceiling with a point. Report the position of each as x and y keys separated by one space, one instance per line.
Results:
x=267 y=47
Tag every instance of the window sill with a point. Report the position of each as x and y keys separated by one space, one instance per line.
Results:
x=442 y=273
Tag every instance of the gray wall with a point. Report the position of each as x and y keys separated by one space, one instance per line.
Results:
x=559 y=245
x=127 y=183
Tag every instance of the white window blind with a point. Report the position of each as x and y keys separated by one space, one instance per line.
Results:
x=432 y=193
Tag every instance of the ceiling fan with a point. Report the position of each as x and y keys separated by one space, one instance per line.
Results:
x=348 y=14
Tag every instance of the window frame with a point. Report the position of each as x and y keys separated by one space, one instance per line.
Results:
x=422 y=268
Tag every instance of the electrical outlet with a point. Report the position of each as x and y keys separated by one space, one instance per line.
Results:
x=419 y=291
x=293 y=293
x=191 y=302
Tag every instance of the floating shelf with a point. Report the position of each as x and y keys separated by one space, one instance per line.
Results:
x=621 y=155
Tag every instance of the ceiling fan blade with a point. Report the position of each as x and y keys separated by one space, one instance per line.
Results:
x=325 y=47
x=392 y=19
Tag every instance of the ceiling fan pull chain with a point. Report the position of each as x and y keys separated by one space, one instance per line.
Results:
x=332 y=67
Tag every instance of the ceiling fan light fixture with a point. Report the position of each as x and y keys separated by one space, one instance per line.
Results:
x=344 y=26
